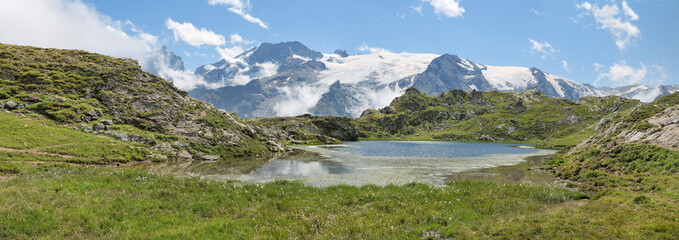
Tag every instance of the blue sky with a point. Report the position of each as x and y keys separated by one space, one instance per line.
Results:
x=498 y=32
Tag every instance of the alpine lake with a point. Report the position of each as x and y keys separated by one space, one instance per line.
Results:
x=383 y=163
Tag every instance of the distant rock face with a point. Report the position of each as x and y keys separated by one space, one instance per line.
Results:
x=158 y=60
x=667 y=135
x=661 y=128
x=452 y=72
x=263 y=61
x=311 y=129
x=336 y=102
x=342 y=53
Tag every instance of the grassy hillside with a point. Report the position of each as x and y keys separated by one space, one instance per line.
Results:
x=113 y=96
x=529 y=116
x=44 y=140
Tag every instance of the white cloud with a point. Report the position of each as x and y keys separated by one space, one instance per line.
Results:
x=597 y=67
x=69 y=24
x=185 y=79
x=538 y=13
x=629 y=12
x=241 y=8
x=621 y=74
x=238 y=39
x=564 y=63
x=194 y=36
x=298 y=100
x=148 y=38
x=544 y=49
x=449 y=8
x=229 y=54
x=609 y=17
x=365 y=48
x=267 y=69
x=417 y=9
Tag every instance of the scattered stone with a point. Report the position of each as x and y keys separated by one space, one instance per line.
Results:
x=123 y=137
x=157 y=156
x=99 y=127
x=210 y=157
x=388 y=110
x=91 y=113
x=11 y=105
x=106 y=122
x=184 y=155
x=180 y=145
x=87 y=129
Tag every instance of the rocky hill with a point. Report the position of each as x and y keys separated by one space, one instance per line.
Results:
x=628 y=147
x=309 y=129
x=490 y=116
x=114 y=97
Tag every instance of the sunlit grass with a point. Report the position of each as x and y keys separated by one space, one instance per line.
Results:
x=85 y=202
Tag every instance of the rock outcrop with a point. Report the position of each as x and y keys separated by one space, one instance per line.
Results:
x=309 y=129
x=487 y=116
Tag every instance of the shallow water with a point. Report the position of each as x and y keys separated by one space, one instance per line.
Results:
x=383 y=163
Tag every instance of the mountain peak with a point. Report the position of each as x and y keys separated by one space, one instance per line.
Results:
x=278 y=52
x=412 y=90
x=342 y=53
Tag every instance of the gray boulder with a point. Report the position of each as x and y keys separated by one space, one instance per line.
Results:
x=11 y=105
x=99 y=126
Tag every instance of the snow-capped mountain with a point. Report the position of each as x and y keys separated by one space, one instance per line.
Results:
x=286 y=79
x=451 y=72
x=298 y=78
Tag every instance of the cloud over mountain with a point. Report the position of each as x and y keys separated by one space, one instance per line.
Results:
x=192 y=35
x=70 y=24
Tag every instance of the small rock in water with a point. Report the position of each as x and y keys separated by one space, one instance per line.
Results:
x=210 y=157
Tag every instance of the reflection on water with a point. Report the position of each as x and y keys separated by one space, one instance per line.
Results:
x=386 y=162
x=528 y=171
x=382 y=163
x=427 y=149
x=296 y=169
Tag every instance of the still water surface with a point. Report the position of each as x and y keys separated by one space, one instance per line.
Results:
x=387 y=162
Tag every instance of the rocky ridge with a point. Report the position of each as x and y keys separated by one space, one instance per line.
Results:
x=488 y=116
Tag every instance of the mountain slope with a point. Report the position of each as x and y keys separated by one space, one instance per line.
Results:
x=451 y=72
x=490 y=116
x=113 y=96
x=369 y=80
